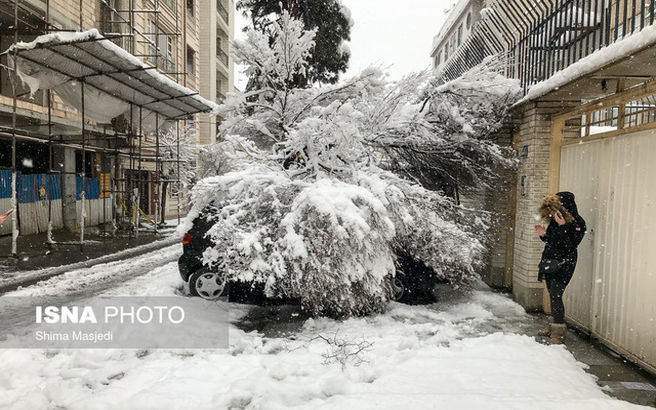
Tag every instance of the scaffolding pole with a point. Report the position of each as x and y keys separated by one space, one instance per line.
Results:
x=130 y=181
x=157 y=186
x=50 y=153
x=102 y=190
x=49 y=239
x=84 y=173
x=117 y=174
x=177 y=122
x=177 y=153
x=140 y=174
x=14 y=202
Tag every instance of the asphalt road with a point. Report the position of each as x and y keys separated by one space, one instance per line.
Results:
x=17 y=308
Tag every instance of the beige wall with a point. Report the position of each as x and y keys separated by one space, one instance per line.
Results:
x=215 y=30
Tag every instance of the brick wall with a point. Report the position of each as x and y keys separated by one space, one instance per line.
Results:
x=533 y=136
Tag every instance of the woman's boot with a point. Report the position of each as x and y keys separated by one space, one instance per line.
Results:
x=558 y=331
x=547 y=331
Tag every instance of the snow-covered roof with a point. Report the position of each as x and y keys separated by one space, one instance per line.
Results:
x=596 y=61
x=57 y=59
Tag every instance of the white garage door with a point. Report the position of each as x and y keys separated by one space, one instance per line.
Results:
x=613 y=292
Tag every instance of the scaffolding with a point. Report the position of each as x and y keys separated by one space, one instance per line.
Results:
x=103 y=65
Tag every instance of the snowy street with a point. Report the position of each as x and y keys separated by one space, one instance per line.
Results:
x=467 y=351
x=327 y=204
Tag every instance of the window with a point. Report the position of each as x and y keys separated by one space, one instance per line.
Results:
x=220 y=54
x=171 y=4
x=438 y=58
x=190 y=122
x=191 y=61
x=161 y=49
x=446 y=51
x=219 y=86
x=152 y=43
x=222 y=11
x=469 y=18
x=459 y=34
x=169 y=53
x=190 y=7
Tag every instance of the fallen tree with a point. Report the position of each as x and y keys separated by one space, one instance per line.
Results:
x=319 y=189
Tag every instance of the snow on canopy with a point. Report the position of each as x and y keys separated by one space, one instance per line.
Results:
x=113 y=77
x=599 y=59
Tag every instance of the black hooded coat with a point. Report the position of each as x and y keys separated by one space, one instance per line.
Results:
x=561 y=241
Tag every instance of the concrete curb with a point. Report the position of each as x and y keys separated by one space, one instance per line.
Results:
x=31 y=277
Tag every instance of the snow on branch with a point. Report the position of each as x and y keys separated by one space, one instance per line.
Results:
x=318 y=190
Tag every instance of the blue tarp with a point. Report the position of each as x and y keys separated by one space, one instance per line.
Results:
x=37 y=187
x=5 y=183
x=91 y=189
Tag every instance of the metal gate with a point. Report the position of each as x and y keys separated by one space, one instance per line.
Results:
x=613 y=292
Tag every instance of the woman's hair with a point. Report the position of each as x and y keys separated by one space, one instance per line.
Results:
x=551 y=204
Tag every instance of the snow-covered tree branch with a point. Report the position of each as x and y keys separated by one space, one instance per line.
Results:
x=178 y=152
x=318 y=190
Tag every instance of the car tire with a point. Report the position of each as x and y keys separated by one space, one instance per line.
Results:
x=207 y=284
x=398 y=287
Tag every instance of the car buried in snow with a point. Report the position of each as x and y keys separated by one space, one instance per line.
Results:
x=413 y=282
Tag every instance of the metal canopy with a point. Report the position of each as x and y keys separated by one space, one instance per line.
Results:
x=106 y=67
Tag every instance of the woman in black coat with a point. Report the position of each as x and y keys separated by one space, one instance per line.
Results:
x=563 y=235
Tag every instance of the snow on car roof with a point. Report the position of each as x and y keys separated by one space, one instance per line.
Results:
x=53 y=59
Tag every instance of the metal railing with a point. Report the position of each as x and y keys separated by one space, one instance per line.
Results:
x=222 y=11
x=542 y=37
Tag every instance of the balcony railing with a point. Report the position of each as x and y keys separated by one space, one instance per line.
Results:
x=540 y=38
x=221 y=55
x=222 y=11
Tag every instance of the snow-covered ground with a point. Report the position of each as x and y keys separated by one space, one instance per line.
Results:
x=466 y=352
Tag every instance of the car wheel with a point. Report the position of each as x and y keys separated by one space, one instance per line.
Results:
x=207 y=284
x=398 y=287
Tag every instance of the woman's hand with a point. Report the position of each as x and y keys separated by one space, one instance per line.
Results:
x=540 y=230
x=558 y=217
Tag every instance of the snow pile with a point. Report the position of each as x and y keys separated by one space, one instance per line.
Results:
x=328 y=243
x=328 y=221
x=464 y=353
x=319 y=189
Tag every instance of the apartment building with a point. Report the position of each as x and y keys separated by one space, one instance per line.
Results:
x=74 y=162
x=216 y=64
x=586 y=124
x=458 y=26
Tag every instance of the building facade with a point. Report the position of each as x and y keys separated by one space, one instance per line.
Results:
x=123 y=167
x=458 y=26
x=216 y=62
x=586 y=124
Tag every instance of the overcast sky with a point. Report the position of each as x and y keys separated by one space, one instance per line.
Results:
x=396 y=34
